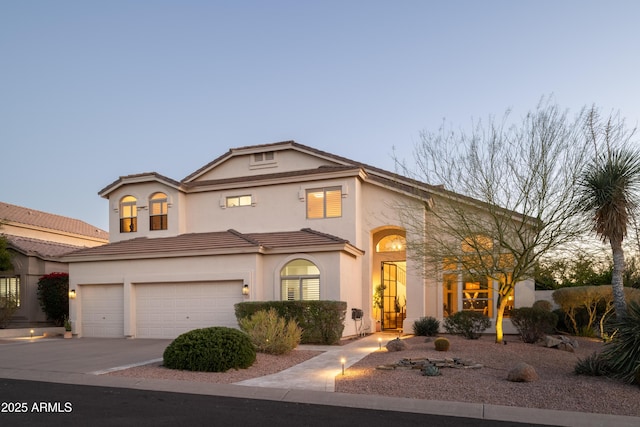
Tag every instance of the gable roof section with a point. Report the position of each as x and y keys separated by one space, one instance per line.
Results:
x=214 y=243
x=17 y=214
x=138 y=178
x=39 y=248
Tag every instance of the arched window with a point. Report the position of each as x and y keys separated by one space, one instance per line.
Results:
x=158 y=210
x=392 y=243
x=300 y=280
x=128 y=215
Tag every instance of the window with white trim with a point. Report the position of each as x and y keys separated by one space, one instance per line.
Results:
x=300 y=280
x=9 y=291
x=236 y=201
x=128 y=215
x=158 y=212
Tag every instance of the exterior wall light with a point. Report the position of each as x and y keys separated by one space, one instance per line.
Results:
x=245 y=289
x=72 y=294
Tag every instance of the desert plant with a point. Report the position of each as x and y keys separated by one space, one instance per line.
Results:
x=622 y=353
x=426 y=326
x=8 y=306
x=469 y=324
x=271 y=333
x=594 y=365
x=67 y=324
x=441 y=344
x=533 y=323
x=215 y=349
x=53 y=295
x=430 y=371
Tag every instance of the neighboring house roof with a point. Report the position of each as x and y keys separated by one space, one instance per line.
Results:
x=39 y=248
x=17 y=214
x=221 y=242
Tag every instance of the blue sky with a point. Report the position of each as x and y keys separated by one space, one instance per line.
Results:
x=93 y=90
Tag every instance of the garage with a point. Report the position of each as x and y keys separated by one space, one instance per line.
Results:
x=167 y=310
x=102 y=308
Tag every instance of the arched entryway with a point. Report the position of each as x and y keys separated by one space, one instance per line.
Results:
x=389 y=278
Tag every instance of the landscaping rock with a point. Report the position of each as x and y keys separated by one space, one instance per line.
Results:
x=550 y=341
x=561 y=343
x=523 y=372
x=396 y=345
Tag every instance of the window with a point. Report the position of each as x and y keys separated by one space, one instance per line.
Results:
x=300 y=280
x=393 y=243
x=9 y=290
x=236 y=201
x=128 y=215
x=450 y=294
x=264 y=157
x=324 y=203
x=158 y=209
x=477 y=295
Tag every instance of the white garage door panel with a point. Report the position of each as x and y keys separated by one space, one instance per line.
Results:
x=102 y=311
x=168 y=310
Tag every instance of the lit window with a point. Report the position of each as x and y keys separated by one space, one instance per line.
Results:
x=393 y=243
x=128 y=215
x=300 y=280
x=476 y=295
x=158 y=210
x=9 y=291
x=450 y=294
x=324 y=203
x=236 y=201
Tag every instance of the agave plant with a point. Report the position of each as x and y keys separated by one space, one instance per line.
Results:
x=622 y=354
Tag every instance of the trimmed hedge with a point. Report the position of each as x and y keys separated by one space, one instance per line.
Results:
x=533 y=323
x=215 y=349
x=322 y=322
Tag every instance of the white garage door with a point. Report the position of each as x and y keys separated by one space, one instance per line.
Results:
x=102 y=311
x=170 y=309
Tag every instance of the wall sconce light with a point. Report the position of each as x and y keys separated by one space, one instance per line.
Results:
x=72 y=294
x=343 y=361
x=245 y=289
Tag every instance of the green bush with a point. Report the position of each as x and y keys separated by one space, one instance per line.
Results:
x=53 y=295
x=543 y=305
x=215 y=349
x=469 y=324
x=271 y=333
x=533 y=323
x=426 y=326
x=322 y=322
x=8 y=306
x=622 y=353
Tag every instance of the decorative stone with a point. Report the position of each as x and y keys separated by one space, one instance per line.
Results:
x=523 y=372
x=396 y=345
x=550 y=341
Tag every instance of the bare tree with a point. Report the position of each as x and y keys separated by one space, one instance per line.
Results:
x=508 y=198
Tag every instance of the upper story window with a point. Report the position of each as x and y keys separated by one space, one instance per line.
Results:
x=158 y=209
x=324 y=202
x=266 y=159
x=235 y=201
x=128 y=215
x=300 y=280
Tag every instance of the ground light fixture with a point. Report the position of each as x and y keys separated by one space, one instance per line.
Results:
x=343 y=361
x=379 y=343
x=32 y=332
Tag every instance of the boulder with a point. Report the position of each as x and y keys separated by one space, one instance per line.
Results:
x=550 y=341
x=523 y=372
x=396 y=345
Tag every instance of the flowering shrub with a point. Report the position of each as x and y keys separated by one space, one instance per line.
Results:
x=53 y=295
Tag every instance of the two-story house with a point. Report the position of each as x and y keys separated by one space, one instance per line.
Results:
x=278 y=221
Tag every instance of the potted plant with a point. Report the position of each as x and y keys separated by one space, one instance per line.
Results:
x=378 y=302
x=67 y=328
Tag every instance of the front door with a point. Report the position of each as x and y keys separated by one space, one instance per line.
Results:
x=394 y=299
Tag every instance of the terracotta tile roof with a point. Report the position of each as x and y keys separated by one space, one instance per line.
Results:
x=230 y=241
x=39 y=248
x=21 y=215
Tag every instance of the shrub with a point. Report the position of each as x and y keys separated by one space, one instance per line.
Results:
x=271 y=333
x=469 y=324
x=426 y=326
x=322 y=322
x=543 y=305
x=533 y=323
x=215 y=349
x=441 y=344
x=8 y=306
x=594 y=365
x=53 y=295
x=622 y=353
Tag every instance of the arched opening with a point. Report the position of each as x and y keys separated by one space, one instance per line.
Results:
x=389 y=278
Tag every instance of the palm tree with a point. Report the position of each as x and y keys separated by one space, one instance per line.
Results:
x=610 y=188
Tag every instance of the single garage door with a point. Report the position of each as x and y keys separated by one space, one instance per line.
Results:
x=102 y=311
x=170 y=309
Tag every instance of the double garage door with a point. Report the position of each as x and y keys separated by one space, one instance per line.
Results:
x=162 y=310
